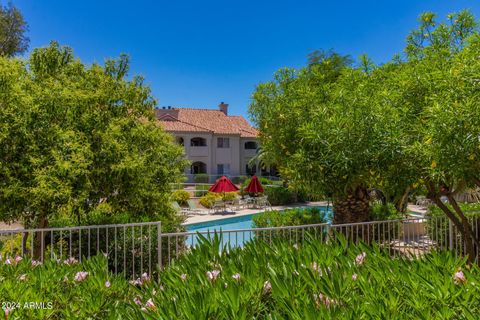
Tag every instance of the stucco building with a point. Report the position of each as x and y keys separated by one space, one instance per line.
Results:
x=216 y=143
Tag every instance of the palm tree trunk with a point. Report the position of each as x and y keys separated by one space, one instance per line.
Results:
x=354 y=207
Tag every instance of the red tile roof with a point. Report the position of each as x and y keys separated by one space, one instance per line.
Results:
x=204 y=120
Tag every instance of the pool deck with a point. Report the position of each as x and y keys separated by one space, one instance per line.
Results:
x=219 y=216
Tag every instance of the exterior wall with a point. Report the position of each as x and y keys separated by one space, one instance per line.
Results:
x=228 y=155
x=237 y=156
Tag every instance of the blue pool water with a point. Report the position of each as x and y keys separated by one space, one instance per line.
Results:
x=233 y=223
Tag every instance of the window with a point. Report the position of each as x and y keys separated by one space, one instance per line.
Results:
x=198 y=168
x=223 y=142
x=223 y=168
x=250 y=145
x=180 y=141
x=198 y=142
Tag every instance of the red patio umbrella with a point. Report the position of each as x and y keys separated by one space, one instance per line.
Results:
x=223 y=184
x=254 y=186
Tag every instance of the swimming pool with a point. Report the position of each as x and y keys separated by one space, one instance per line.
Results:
x=233 y=223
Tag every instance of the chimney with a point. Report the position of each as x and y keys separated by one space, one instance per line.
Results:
x=223 y=107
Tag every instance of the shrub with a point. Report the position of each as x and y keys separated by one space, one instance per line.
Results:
x=262 y=280
x=239 y=179
x=200 y=178
x=228 y=196
x=208 y=200
x=181 y=196
x=201 y=190
x=278 y=196
x=290 y=217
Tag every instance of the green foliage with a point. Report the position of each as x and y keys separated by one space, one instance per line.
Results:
x=413 y=288
x=12 y=246
x=54 y=283
x=384 y=212
x=180 y=196
x=290 y=217
x=228 y=196
x=278 y=196
x=208 y=200
x=332 y=127
x=80 y=145
x=13 y=27
x=239 y=179
x=200 y=178
x=201 y=189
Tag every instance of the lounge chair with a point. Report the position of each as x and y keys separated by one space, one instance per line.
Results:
x=179 y=209
x=192 y=207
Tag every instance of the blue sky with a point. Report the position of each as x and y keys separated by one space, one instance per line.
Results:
x=199 y=53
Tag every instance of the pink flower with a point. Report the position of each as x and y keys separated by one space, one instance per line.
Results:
x=80 y=276
x=23 y=277
x=213 y=275
x=149 y=304
x=35 y=263
x=18 y=259
x=7 y=312
x=107 y=284
x=236 y=276
x=137 y=301
x=459 y=277
x=359 y=260
x=267 y=287
x=8 y=262
x=145 y=277
x=184 y=277
x=70 y=261
x=354 y=277
x=320 y=299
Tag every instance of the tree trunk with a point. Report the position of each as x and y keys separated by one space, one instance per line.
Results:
x=39 y=239
x=462 y=224
x=402 y=203
x=352 y=208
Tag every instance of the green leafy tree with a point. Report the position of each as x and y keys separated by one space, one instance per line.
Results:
x=81 y=141
x=13 y=27
x=447 y=121
x=410 y=122
x=316 y=124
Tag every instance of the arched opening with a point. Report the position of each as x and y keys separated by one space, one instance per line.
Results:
x=198 y=142
x=180 y=141
x=198 y=167
x=251 y=145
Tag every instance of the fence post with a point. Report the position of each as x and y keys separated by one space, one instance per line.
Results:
x=450 y=234
x=159 y=247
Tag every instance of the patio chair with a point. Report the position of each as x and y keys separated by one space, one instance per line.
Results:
x=262 y=202
x=192 y=207
x=180 y=210
x=218 y=206
x=238 y=203
x=248 y=201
